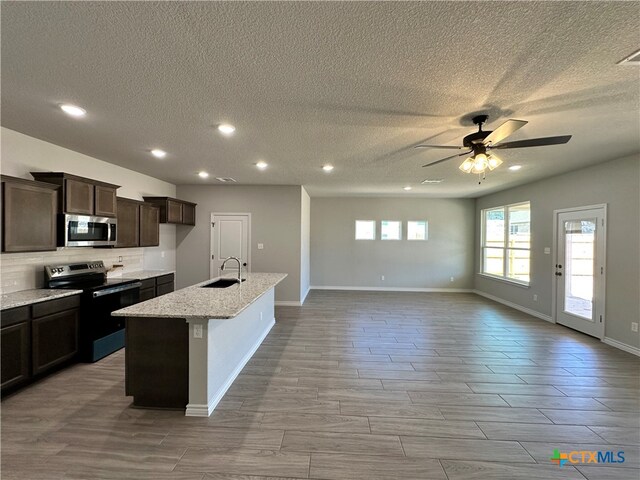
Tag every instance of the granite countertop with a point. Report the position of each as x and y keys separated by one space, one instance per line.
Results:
x=144 y=274
x=27 y=297
x=196 y=302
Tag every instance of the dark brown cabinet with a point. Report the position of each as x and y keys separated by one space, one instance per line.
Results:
x=15 y=339
x=78 y=197
x=188 y=214
x=128 y=223
x=173 y=210
x=138 y=224
x=105 y=201
x=149 y=225
x=82 y=196
x=164 y=285
x=37 y=338
x=157 y=286
x=28 y=215
x=54 y=339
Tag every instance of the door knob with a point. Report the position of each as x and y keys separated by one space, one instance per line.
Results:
x=558 y=274
x=244 y=264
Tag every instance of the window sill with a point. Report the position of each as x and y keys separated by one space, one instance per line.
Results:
x=506 y=280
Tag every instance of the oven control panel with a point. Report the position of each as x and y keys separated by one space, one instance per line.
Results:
x=72 y=269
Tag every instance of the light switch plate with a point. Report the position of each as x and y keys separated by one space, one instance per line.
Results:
x=547 y=250
x=260 y=246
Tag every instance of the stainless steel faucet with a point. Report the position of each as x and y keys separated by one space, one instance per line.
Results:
x=239 y=266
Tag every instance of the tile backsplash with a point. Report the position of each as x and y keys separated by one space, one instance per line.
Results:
x=24 y=271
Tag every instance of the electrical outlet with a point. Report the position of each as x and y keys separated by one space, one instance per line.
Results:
x=161 y=254
x=197 y=331
x=382 y=277
x=535 y=297
x=634 y=326
x=451 y=279
x=119 y=259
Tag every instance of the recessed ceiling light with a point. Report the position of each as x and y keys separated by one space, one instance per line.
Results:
x=430 y=181
x=226 y=129
x=513 y=168
x=407 y=188
x=262 y=165
x=156 y=152
x=203 y=174
x=327 y=168
x=73 y=110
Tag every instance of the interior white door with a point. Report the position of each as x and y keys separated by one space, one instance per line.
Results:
x=229 y=238
x=579 y=271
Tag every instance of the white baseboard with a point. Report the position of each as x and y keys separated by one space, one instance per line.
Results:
x=197 y=410
x=213 y=401
x=287 y=303
x=515 y=306
x=622 y=346
x=394 y=289
x=304 y=296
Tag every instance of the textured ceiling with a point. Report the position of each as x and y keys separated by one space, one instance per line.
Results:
x=352 y=84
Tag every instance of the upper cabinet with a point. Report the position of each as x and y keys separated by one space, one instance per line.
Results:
x=82 y=196
x=28 y=215
x=173 y=210
x=138 y=224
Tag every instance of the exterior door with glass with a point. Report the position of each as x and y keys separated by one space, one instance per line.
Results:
x=579 y=269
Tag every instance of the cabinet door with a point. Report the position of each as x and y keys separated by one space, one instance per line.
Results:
x=149 y=226
x=164 y=288
x=54 y=339
x=147 y=294
x=78 y=197
x=174 y=212
x=28 y=218
x=105 y=201
x=128 y=221
x=15 y=343
x=188 y=214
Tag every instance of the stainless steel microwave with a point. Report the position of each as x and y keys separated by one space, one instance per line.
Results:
x=86 y=231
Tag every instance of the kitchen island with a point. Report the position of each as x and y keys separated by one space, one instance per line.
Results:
x=185 y=349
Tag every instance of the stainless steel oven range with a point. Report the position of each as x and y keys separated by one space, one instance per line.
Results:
x=100 y=334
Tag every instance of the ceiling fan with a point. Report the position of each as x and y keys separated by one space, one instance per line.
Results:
x=480 y=143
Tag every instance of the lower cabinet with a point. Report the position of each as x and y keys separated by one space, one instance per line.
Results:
x=16 y=354
x=156 y=286
x=37 y=338
x=54 y=340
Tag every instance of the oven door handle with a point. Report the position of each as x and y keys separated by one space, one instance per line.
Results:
x=122 y=288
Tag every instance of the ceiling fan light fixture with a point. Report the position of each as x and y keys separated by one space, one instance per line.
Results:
x=493 y=162
x=480 y=163
x=467 y=165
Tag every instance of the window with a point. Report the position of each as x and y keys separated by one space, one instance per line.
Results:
x=365 y=230
x=417 y=230
x=506 y=242
x=390 y=230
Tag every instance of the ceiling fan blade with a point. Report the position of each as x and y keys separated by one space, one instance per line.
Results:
x=535 y=142
x=448 y=158
x=504 y=130
x=439 y=146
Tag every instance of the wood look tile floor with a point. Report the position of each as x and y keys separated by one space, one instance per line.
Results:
x=353 y=385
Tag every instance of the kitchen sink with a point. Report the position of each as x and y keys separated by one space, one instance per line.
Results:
x=222 y=283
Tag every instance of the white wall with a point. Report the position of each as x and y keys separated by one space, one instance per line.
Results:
x=305 y=244
x=275 y=217
x=21 y=154
x=338 y=260
x=615 y=183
